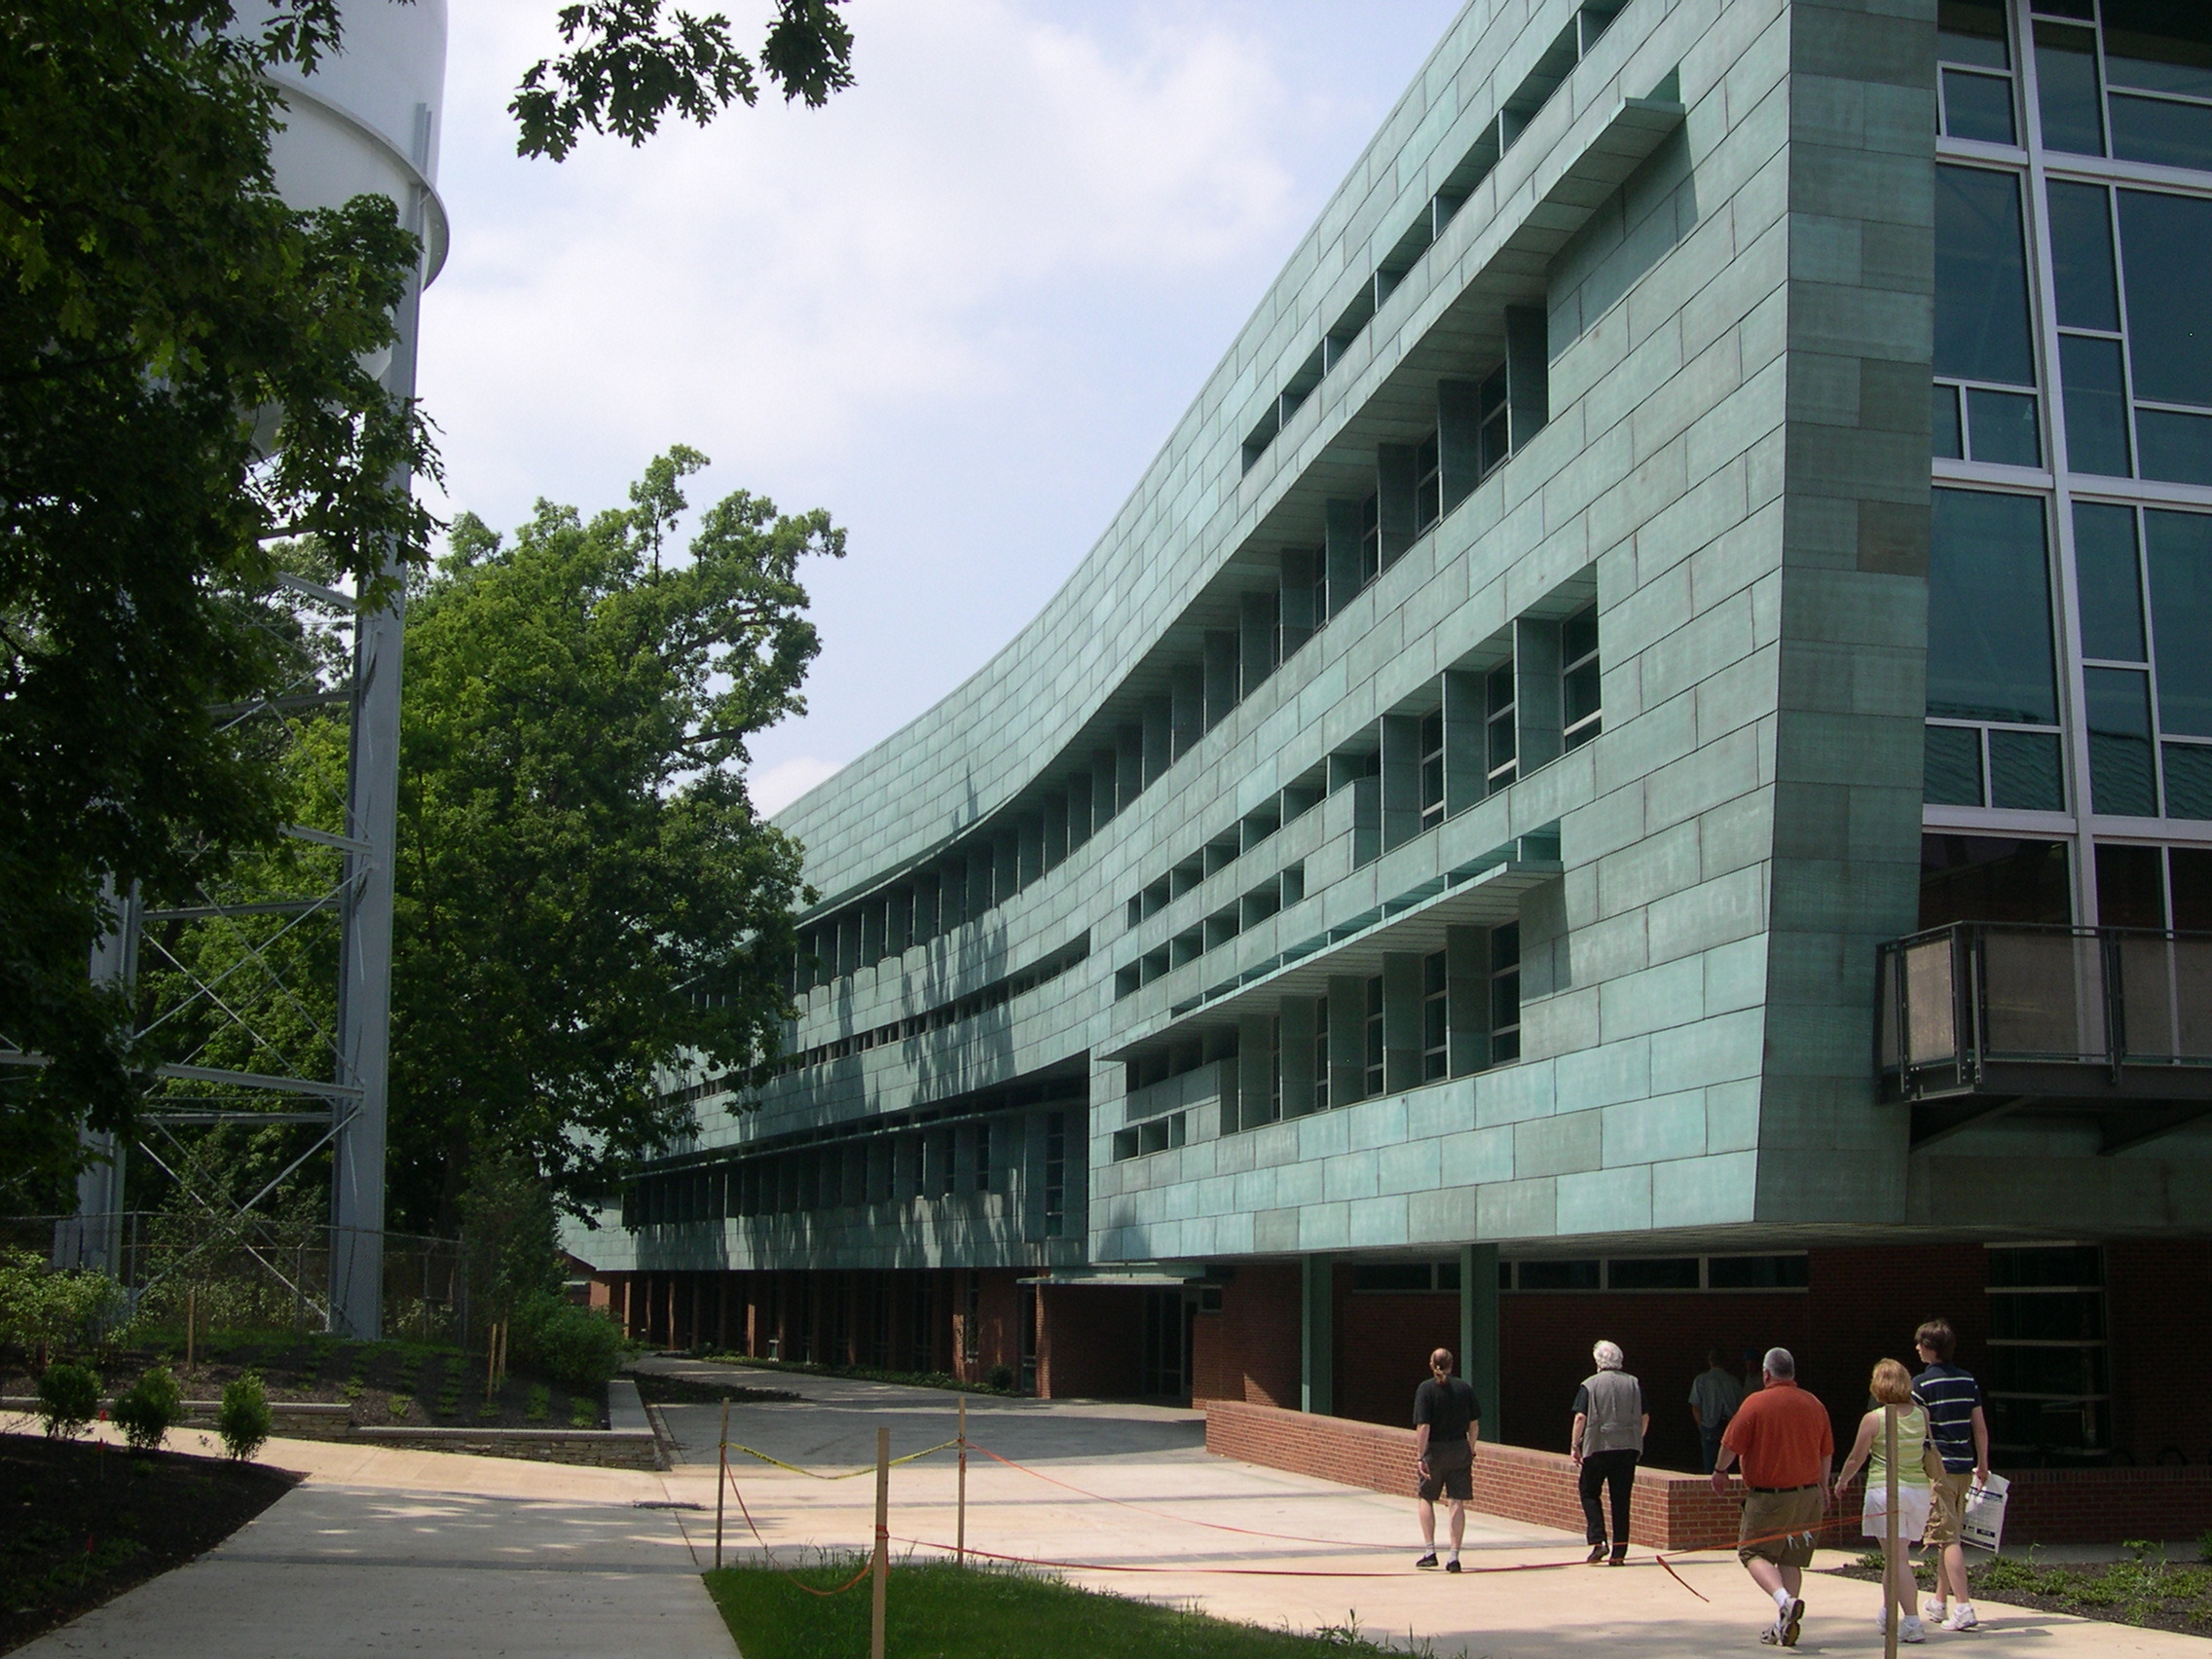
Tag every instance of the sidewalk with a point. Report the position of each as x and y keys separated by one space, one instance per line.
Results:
x=1153 y=1457
x=389 y=1552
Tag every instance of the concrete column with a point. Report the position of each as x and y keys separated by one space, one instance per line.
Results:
x=1029 y=832
x=1296 y=604
x=1465 y=772
x=1401 y=1020
x=1466 y=998
x=1339 y=554
x=1159 y=738
x=1186 y=708
x=1401 y=779
x=1221 y=675
x=1458 y=439
x=1317 y=1336
x=1105 y=786
x=1128 y=770
x=1396 y=473
x=1347 y=1039
x=1528 y=373
x=1295 y=1055
x=1255 y=1070
x=1536 y=691
x=1258 y=640
x=1080 y=820
x=1478 y=1332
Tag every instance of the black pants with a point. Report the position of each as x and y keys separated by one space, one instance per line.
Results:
x=1615 y=1469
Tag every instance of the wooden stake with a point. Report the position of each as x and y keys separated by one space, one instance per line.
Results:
x=960 y=1527
x=722 y=1483
x=1892 y=1593
x=882 y=1540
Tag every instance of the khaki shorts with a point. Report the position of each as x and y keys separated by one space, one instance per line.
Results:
x=1950 y=1492
x=1779 y=1526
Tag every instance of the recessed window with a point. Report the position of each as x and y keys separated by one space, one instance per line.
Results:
x=1372 y=1083
x=1500 y=749
x=1504 y=994
x=1578 y=677
x=1428 y=484
x=1370 y=539
x=1433 y=770
x=1435 y=1019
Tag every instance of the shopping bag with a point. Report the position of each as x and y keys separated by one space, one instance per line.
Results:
x=1983 y=1524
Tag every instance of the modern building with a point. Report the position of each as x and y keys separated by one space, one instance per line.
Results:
x=1631 y=770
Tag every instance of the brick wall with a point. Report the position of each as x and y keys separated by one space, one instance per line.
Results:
x=1383 y=1341
x=2156 y=1294
x=1250 y=1350
x=1090 y=1342
x=2107 y=1506
x=1667 y=1510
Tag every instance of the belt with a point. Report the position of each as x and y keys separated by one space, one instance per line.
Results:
x=1807 y=1486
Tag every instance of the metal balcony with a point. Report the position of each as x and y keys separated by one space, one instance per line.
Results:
x=1983 y=1020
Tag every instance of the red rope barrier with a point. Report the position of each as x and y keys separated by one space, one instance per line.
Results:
x=770 y=1555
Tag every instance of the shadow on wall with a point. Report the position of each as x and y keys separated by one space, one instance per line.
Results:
x=1651 y=214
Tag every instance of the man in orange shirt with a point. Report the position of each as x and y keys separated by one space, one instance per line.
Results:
x=1782 y=1436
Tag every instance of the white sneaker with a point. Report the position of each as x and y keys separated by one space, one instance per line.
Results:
x=1882 y=1621
x=1961 y=1617
x=1934 y=1613
x=1910 y=1629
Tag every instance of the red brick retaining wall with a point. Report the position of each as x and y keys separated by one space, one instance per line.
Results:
x=1667 y=1510
x=1678 y=1511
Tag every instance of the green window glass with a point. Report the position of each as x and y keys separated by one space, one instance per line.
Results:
x=1951 y=774
x=1989 y=645
x=2096 y=405
x=1946 y=437
x=1972 y=31
x=2175 y=447
x=2024 y=771
x=1978 y=106
x=1981 y=278
x=2080 y=257
x=2066 y=76
x=2189 y=780
x=2119 y=741
x=2161 y=46
x=2179 y=546
x=2161 y=131
x=2109 y=582
x=2003 y=427
x=2166 y=247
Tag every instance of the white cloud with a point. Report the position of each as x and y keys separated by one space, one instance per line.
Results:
x=777 y=787
x=960 y=306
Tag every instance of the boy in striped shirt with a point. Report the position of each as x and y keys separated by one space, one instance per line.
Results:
x=1961 y=1434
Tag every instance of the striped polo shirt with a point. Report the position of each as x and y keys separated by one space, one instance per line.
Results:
x=1950 y=1395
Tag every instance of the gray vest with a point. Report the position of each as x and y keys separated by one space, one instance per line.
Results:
x=1616 y=1413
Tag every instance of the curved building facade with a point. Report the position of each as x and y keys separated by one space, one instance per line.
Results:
x=1567 y=802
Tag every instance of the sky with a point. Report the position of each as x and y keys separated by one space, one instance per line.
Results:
x=961 y=306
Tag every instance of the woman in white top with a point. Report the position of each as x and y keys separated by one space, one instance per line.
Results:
x=1892 y=1389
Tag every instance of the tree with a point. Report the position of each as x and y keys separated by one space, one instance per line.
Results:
x=622 y=71
x=181 y=377
x=585 y=896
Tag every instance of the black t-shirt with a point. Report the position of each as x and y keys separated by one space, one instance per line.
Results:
x=1448 y=1407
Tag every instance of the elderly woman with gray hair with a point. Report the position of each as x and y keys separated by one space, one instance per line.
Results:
x=1609 y=1425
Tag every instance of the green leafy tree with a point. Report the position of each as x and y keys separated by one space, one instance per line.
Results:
x=181 y=377
x=585 y=895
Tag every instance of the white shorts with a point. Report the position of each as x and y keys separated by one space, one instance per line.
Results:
x=1913 y=1503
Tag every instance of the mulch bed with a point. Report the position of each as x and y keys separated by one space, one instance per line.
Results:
x=79 y=1524
x=657 y=1388
x=2149 y=1593
x=393 y=1384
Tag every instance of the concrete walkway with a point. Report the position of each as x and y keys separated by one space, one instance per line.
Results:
x=390 y=1552
x=1155 y=1459
x=416 y=1551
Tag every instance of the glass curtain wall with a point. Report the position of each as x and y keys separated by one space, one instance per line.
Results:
x=2069 y=572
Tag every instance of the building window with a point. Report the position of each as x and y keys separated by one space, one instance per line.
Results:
x=1990 y=657
x=1433 y=770
x=983 y=1157
x=1972 y=41
x=2145 y=86
x=1372 y=1082
x=2047 y=1379
x=1499 y=747
x=1055 y=1175
x=1504 y=994
x=1158 y=1134
x=1428 y=484
x=1579 y=702
x=1435 y=1020
x=1370 y=539
x=1984 y=351
x=971 y=1326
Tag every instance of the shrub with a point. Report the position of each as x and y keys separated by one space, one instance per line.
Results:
x=553 y=1338
x=42 y=1310
x=245 y=1419
x=68 y=1398
x=154 y=1406
x=1001 y=1377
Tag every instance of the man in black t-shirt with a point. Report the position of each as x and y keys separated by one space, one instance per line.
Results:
x=1446 y=1423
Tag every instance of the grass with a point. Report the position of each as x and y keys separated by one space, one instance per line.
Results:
x=937 y=1610
x=2147 y=1590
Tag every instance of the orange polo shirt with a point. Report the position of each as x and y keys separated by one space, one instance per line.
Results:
x=1783 y=1437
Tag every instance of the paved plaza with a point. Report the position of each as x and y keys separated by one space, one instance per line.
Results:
x=390 y=1552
